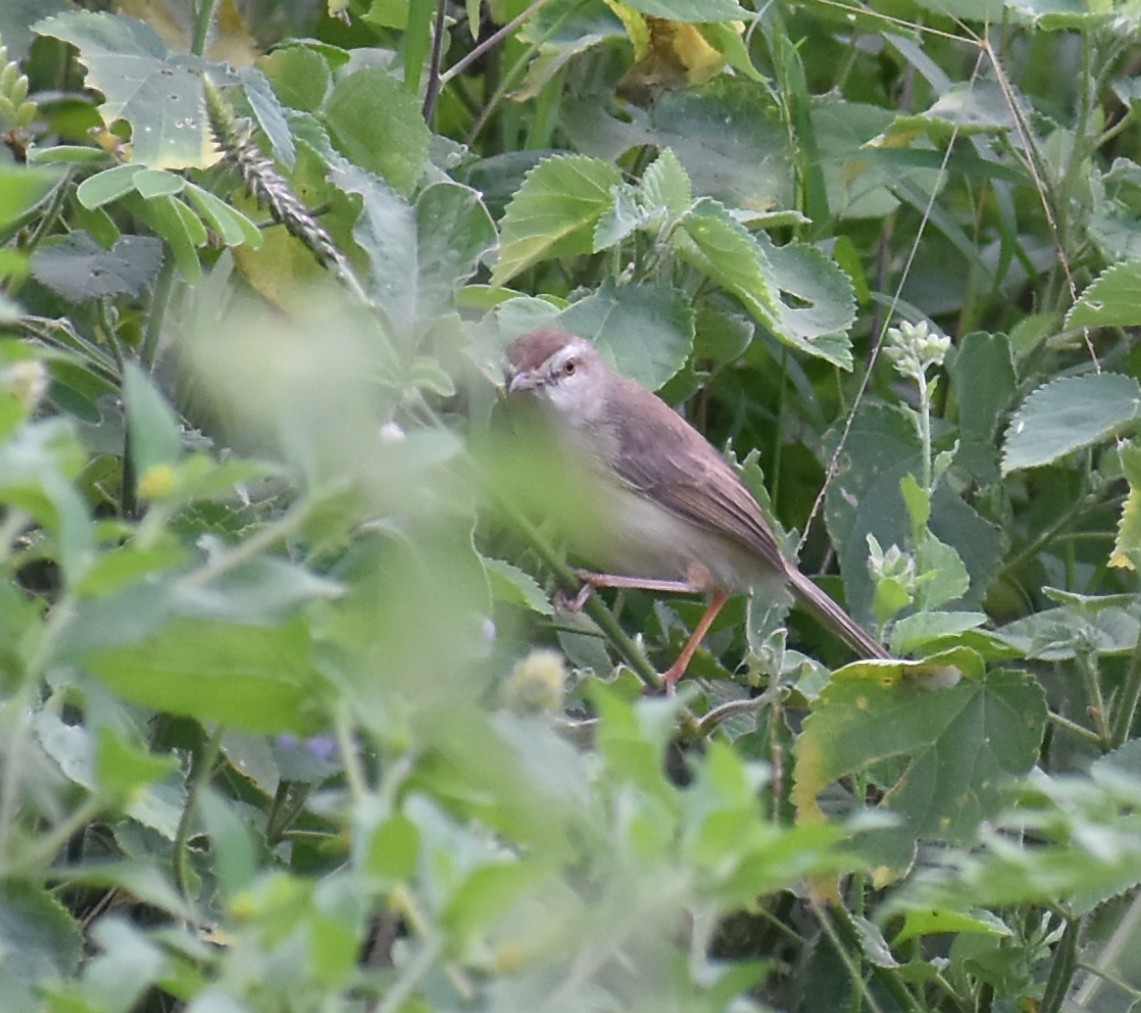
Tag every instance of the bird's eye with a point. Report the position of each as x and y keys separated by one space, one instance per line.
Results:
x=569 y=367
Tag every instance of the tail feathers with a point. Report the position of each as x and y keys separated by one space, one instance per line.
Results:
x=835 y=618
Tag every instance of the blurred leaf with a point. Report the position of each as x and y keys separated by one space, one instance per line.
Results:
x=554 y=212
x=645 y=330
x=230 y=842
x=378 y=125
x=1058 y=634
x=159 y=94
x=269 y=113
x=254 y=678
x=154 y=429
x=510 y=584
x=21 y=189
x=1067 y=415
x=39 y=940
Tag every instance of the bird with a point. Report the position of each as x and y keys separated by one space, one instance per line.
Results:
x=670 y=514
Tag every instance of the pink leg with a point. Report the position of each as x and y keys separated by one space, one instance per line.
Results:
x=677 y=669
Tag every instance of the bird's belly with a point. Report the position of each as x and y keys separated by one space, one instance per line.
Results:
x=632 y=536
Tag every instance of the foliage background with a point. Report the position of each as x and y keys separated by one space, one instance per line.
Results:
x=288 y=718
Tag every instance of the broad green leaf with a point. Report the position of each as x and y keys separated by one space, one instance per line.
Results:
x=940 y=922
x=21 y=189
x=983 y=379
x=254 y=678
x=516 y=587
x=39 y=939
x=941 y=754
x=1112 y=300
x=159 y=94
x=978 y=106
x=913 y=634
x=379 y=126
x=299 y=75
x=645 y=330
x=943 y=576
x=79 y=269
x=269 y=114
x=817 y=306
x=1069 y=414
x=665 y=184
x=723 y=249
x=155 y=433
x=1058 y=634
x=554 y=212
x=454 y=234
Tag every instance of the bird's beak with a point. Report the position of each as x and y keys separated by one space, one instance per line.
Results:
x=525 y=379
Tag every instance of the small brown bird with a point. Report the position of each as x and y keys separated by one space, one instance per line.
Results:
x=671 y=514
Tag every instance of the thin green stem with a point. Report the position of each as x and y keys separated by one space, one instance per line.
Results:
x=155 y=320
x=199 y=779
x=1074 y=728
x=1126 y=708
x=491 y=41
x=202 y=24
x=1062 y=968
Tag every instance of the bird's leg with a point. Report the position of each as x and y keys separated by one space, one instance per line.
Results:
x=677 y=669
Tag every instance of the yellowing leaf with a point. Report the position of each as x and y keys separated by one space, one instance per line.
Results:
x=667 y=55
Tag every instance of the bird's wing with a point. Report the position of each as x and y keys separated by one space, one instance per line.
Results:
x=661 y=456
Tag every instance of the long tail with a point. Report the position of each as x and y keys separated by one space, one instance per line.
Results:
x=835 y=618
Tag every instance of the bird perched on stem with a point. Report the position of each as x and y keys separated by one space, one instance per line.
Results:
x=670 y=514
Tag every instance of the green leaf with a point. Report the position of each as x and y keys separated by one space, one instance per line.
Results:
x=175 y=222
x=514 y=586
x=916 y=634
x=123 y=769
x=1112 y=300
x=235 y=859
x=817 y=304
x=233 y=227
x=645 y=330
x=1058 y=634
x=379 y=126
x=984 y=382
x=157 y=183
x=157 y=93
x=940 y=922
x=108 y=185
x=554 y=212
x=254 y=678
x=39 y=939
x=722 y=248
x=269 y=114
x=454 y=233
x=156 y=439
x=299 y=75
x=665 y=184
x=78 y=268
x=941 y=755
x=1069 y=414
x=690 y=11
x=21 y=189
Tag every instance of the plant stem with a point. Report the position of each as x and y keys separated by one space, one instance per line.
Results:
x=199 y=779
x=1130 y=696
x=202 y=25
x=1061 y=968
x=435 y=79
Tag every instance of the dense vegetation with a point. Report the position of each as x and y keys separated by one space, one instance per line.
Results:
x=289 y=719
